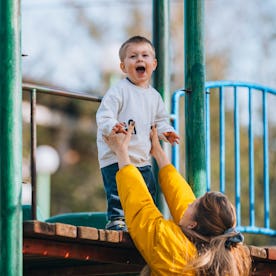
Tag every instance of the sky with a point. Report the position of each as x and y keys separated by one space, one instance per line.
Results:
x=64 y=52
x=246 y=32
x=59 y=44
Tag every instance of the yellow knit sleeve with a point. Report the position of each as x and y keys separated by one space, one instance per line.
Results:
x=161 y=242
x=177 y=192
x=141 y=214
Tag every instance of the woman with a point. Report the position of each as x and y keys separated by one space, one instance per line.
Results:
x=201 y=239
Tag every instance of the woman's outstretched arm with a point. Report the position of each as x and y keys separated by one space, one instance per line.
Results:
x=156 y=150
x=154 y=236
x=177 y=191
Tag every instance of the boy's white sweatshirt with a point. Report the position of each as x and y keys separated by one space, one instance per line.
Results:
x=126 y=101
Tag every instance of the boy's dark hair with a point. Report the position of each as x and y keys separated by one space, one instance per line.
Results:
x=134 y=39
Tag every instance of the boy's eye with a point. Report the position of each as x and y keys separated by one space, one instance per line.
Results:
x=145 y=55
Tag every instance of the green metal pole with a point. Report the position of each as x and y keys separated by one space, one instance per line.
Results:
x=161 y=78
x=195 y=100
x=10 y=140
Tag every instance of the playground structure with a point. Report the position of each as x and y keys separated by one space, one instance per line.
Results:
x=76 y=241
x=227 y=90
x=43 y=239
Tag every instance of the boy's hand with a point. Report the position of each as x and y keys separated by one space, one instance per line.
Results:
x=119 y=128
x=118 y=143
x=172 y=137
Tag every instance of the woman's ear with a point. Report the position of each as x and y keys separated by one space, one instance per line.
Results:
x=192 y=225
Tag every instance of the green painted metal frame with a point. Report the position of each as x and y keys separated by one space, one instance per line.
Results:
x=161 y=77
x=11 y=121
x=10 y=139
x=195 y=113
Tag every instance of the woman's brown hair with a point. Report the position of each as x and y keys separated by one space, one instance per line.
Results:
x=219 y=245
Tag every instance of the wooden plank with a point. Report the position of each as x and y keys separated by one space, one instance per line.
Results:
x=264 y=262
x=257 y=252
x=264 y=269
x=103 y=257
x=37 y=227
x=127 y=239
x=265 y=253
x=271 y=251
x=88 y=233
x=110 y=236
x=60 y=231
x=34 y=228
x=81 y=270
x=81 y=251
x=65 y=230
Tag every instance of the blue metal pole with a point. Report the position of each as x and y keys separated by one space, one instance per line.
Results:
x=237 y=157
x=175 y=123
x=266 y=163
x=251 y=163
x=10 y=140
x=222 y=140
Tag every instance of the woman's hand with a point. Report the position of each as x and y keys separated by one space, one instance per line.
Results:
x=156 y=150
x=155 y=143
x=118 y=143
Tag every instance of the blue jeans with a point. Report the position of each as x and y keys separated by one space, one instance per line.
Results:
x=114 y=207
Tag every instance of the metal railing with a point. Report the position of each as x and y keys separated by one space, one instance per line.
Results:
x=33 y=90
x=233 y=90
x=211 y=87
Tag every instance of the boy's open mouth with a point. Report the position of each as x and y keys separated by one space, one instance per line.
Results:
x=140 y=69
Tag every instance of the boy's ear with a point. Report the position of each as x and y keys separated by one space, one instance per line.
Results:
x=154 y=64
x=122 y=66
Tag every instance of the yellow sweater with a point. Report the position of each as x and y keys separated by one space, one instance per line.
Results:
x=161 y=242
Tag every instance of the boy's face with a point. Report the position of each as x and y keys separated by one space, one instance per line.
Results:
x=139 y=63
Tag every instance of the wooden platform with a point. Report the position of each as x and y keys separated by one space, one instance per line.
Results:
x=62 y=249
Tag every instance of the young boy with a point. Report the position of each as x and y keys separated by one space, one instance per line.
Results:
x=131 y=99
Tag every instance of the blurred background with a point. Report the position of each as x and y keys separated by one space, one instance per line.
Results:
x=73 y=45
